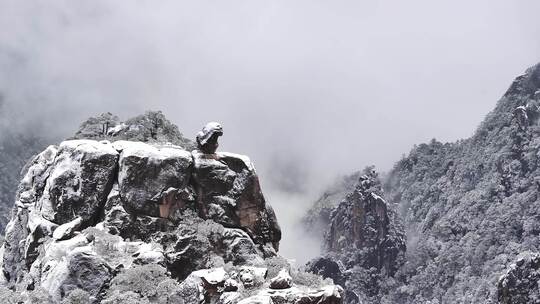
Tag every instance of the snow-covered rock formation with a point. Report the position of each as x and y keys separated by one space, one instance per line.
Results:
x=92 y=218
x=364 y=239
x=17 y=147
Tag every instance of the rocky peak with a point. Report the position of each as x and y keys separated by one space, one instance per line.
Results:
x=364 y=241
x=91 y=214
x=363 y=229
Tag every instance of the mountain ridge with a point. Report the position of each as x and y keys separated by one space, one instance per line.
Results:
x=469 y=209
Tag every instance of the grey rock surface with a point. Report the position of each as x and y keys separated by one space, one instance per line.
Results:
x=228 y=192
x=364 y=231
x=152 y=179
x=106 y=221
x=282 y=281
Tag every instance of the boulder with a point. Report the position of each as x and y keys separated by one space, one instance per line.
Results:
x=61 y=184
x=327 y=267
x=67 y=230
x=282 y=281
x=212 y=278
x=151 y=178
x=254 y=290
x=252 y=276
x=78 y=182
x=86 y=261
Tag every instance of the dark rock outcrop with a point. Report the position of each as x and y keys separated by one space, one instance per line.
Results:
x=363 y=229
x=75 y=184
x=88 y=213
x=364 y=243
x=328 y=267
x=152 y=179
x=228 y=192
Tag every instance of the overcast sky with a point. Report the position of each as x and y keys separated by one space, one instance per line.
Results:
x=322 y=86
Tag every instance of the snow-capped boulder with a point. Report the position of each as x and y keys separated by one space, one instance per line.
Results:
x=282 y=281
x=212 y=278
x=197 y=286
x=61 y=184
x=152 y=178
x=78 y=182
x=330 y=294
x=327 y=267
x=67 y=230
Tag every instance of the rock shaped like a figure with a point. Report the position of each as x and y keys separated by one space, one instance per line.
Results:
x=207 y=138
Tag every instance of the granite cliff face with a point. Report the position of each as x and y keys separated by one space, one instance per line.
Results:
x=364 y=241
x=147 y=223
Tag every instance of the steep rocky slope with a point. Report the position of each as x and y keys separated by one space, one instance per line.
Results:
x=133 y=222
x=364 y=243
x=469 y=210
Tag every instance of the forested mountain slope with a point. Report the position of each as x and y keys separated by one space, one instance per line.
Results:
x=472 y=206
x=469 y=209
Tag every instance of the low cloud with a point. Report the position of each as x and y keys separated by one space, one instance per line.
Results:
x=321 y=87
